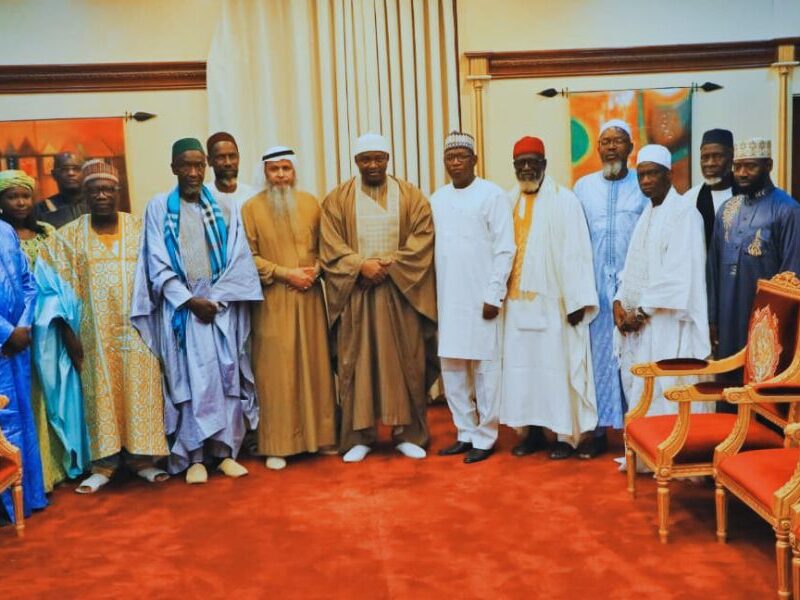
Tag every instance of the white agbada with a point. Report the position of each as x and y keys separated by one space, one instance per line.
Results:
x=665 y=275
x=718 y=197
x=547 y=364
x=236 y=199
x=473 y=256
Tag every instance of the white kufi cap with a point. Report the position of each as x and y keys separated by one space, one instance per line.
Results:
x=371 y=142
x=619 y=124
x=655 y=153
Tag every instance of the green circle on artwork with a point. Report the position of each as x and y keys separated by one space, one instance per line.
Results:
x=580 y=140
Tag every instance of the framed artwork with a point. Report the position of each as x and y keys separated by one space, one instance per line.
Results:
x=655 y=117
x=32 y=145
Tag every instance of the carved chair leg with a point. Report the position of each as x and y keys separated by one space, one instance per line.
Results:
x=19 y=514
x=630 y=466
x=663 y=508
x=795 y=574
x=721 y=502
x=782 y=560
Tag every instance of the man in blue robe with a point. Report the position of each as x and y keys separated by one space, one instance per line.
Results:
x=195 y=278
x=613 y=202
x=17 y=300
x=756 y=236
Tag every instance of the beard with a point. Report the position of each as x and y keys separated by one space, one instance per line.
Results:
x=527 y=186
x=282 y=199
x=712 y=180
x=612 y=168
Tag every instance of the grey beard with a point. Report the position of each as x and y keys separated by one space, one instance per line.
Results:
x=530 y=187
x=282 y=200
x=712 y=180
x=612 y=169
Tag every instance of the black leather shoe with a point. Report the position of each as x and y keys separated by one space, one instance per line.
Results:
x=561 y=451
x=533 y=442
x=477 y=455
x=592 y=447
x=457 y=448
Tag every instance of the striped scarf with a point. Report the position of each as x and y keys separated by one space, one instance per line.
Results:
x=216 y=239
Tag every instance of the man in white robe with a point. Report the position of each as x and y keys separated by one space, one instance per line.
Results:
x=612 y=202
x=716 y=163
x=223 y=157
x=547 y=363
x=473 y=254
x=660 y=310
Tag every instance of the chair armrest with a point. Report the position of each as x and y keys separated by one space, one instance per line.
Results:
x=678 y=367
x=754 y=394
x=691 y=393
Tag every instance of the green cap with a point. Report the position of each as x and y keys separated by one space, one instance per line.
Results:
x=186 y=144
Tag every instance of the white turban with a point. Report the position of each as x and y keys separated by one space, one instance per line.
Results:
x=655 y=153
x=619 y=124
x=371 y=142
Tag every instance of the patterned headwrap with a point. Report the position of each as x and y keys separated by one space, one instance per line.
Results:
x=14 y=178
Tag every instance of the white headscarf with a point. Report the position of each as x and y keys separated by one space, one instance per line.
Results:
x=272 y=154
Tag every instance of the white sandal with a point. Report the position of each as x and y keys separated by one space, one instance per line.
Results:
x=92 y=483
x=153 y=474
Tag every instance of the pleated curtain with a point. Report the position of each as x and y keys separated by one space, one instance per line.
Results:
x=315 y=75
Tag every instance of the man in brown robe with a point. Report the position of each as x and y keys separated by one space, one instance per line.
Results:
x=376 y=249
x=291 y=361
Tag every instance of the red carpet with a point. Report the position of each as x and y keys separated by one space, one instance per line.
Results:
x=389 y=527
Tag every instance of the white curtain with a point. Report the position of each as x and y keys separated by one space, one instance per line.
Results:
x=316 y=74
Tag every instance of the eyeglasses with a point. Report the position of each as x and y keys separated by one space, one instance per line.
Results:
x=105 y=190
x=531 y=163
x=619 y=141
x=460 y=157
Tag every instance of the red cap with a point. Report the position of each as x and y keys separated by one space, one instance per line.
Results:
x=529 y=145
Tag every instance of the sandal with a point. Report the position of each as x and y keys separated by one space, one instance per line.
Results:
x=92 y=483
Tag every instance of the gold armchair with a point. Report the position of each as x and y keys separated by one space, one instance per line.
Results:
x=767 y=480
x=11 y=475
x=683 y=445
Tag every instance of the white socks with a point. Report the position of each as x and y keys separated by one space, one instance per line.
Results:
x=356 y=453
x=411 y=450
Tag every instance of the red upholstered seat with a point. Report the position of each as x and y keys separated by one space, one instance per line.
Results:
x=761 y=472
x=7 y=468
x=705 y=432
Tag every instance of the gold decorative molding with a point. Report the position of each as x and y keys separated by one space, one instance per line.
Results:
x=639 y=59
x=785 y=66
x=105 y=77
x=478 y=76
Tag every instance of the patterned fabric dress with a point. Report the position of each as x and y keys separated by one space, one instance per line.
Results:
x=51 y=448
x=121 y=378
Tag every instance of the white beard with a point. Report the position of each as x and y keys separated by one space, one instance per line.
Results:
x=712 y=180
x=612 y=169
x=530 y=187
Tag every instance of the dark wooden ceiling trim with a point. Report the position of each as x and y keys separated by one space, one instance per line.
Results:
x=103 y=77
x=641 y=59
